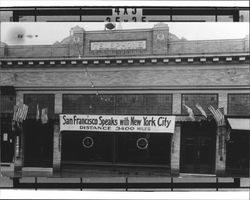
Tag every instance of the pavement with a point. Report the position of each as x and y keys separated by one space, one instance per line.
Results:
x=119 y=175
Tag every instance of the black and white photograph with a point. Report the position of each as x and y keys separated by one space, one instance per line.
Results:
x=151 y=99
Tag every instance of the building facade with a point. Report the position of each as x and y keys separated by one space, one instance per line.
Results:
x=140 y=73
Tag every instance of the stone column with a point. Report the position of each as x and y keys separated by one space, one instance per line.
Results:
x=58 y=103
x=57 y=148
x=220 y=158
x=220 y=164
x=175 y=151
x=57 y=135
x=176 y=109
x=223 y=101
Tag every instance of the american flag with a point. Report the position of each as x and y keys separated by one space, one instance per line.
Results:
x=20 y=113
x=198 y=106
x=190 y=112
x=218 y=115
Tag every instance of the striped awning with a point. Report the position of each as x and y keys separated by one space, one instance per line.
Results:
x=239 y=123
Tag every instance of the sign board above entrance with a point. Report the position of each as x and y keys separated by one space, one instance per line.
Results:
x=118 y=45
x=117 y=123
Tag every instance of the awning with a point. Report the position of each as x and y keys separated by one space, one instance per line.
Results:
x=239 y=123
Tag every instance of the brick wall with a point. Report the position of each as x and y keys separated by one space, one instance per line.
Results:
x=206 y=46
x=7 y=79
x=41 y=51
x=157 y=38
x=130 y=77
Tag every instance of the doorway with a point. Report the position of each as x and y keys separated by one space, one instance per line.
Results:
x=7 y=139
x=38 y=130
x=38 y=144
x=198 y=145
x=238 y=156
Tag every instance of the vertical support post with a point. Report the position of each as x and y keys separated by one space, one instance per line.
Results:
x=58 y=103
x=57 y=148
x=220 y=166
x=57 y=135
x=172 y=184
x=81 y=184
x=217 y=183
x=220 y=160
x=36 y=183
x=126 y=184
x=222 y=103
x=19 y=153
x=175 y=151
x=176 y=109
x=16 y=182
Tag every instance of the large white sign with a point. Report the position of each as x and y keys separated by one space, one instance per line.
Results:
x=118 y=45
x=115 y=123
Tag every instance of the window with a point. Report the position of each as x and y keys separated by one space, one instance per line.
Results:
x=7 y=103
x=239 y=104
x=204 y=100
x=121 y=104
x=88 y=104
x=40 y=101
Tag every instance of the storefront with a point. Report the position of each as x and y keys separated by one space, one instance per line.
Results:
x=117 y=140
x=37 y=132
x=127 y=74
x=198 y=145
x=238 y=147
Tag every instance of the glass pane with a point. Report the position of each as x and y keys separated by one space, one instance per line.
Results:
x=88 y=104
x=204 y=100
x=7 y=103
x=39 y=102
x=130 y=104
x=239 y=104
x=87 y=147
x=117 y=104
x=141 y=148
x=144 y=104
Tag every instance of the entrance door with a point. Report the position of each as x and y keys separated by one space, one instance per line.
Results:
x=38 y=130
x=7 y=139
x=237 y=162
x=38 y=141
x=197 y=148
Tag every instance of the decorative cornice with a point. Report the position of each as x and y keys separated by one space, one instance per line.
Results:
x=142 y=60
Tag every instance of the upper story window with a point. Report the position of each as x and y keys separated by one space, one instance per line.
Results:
x=122 y=104
x=204 y=100
x=239 y=104
x=37 y=103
